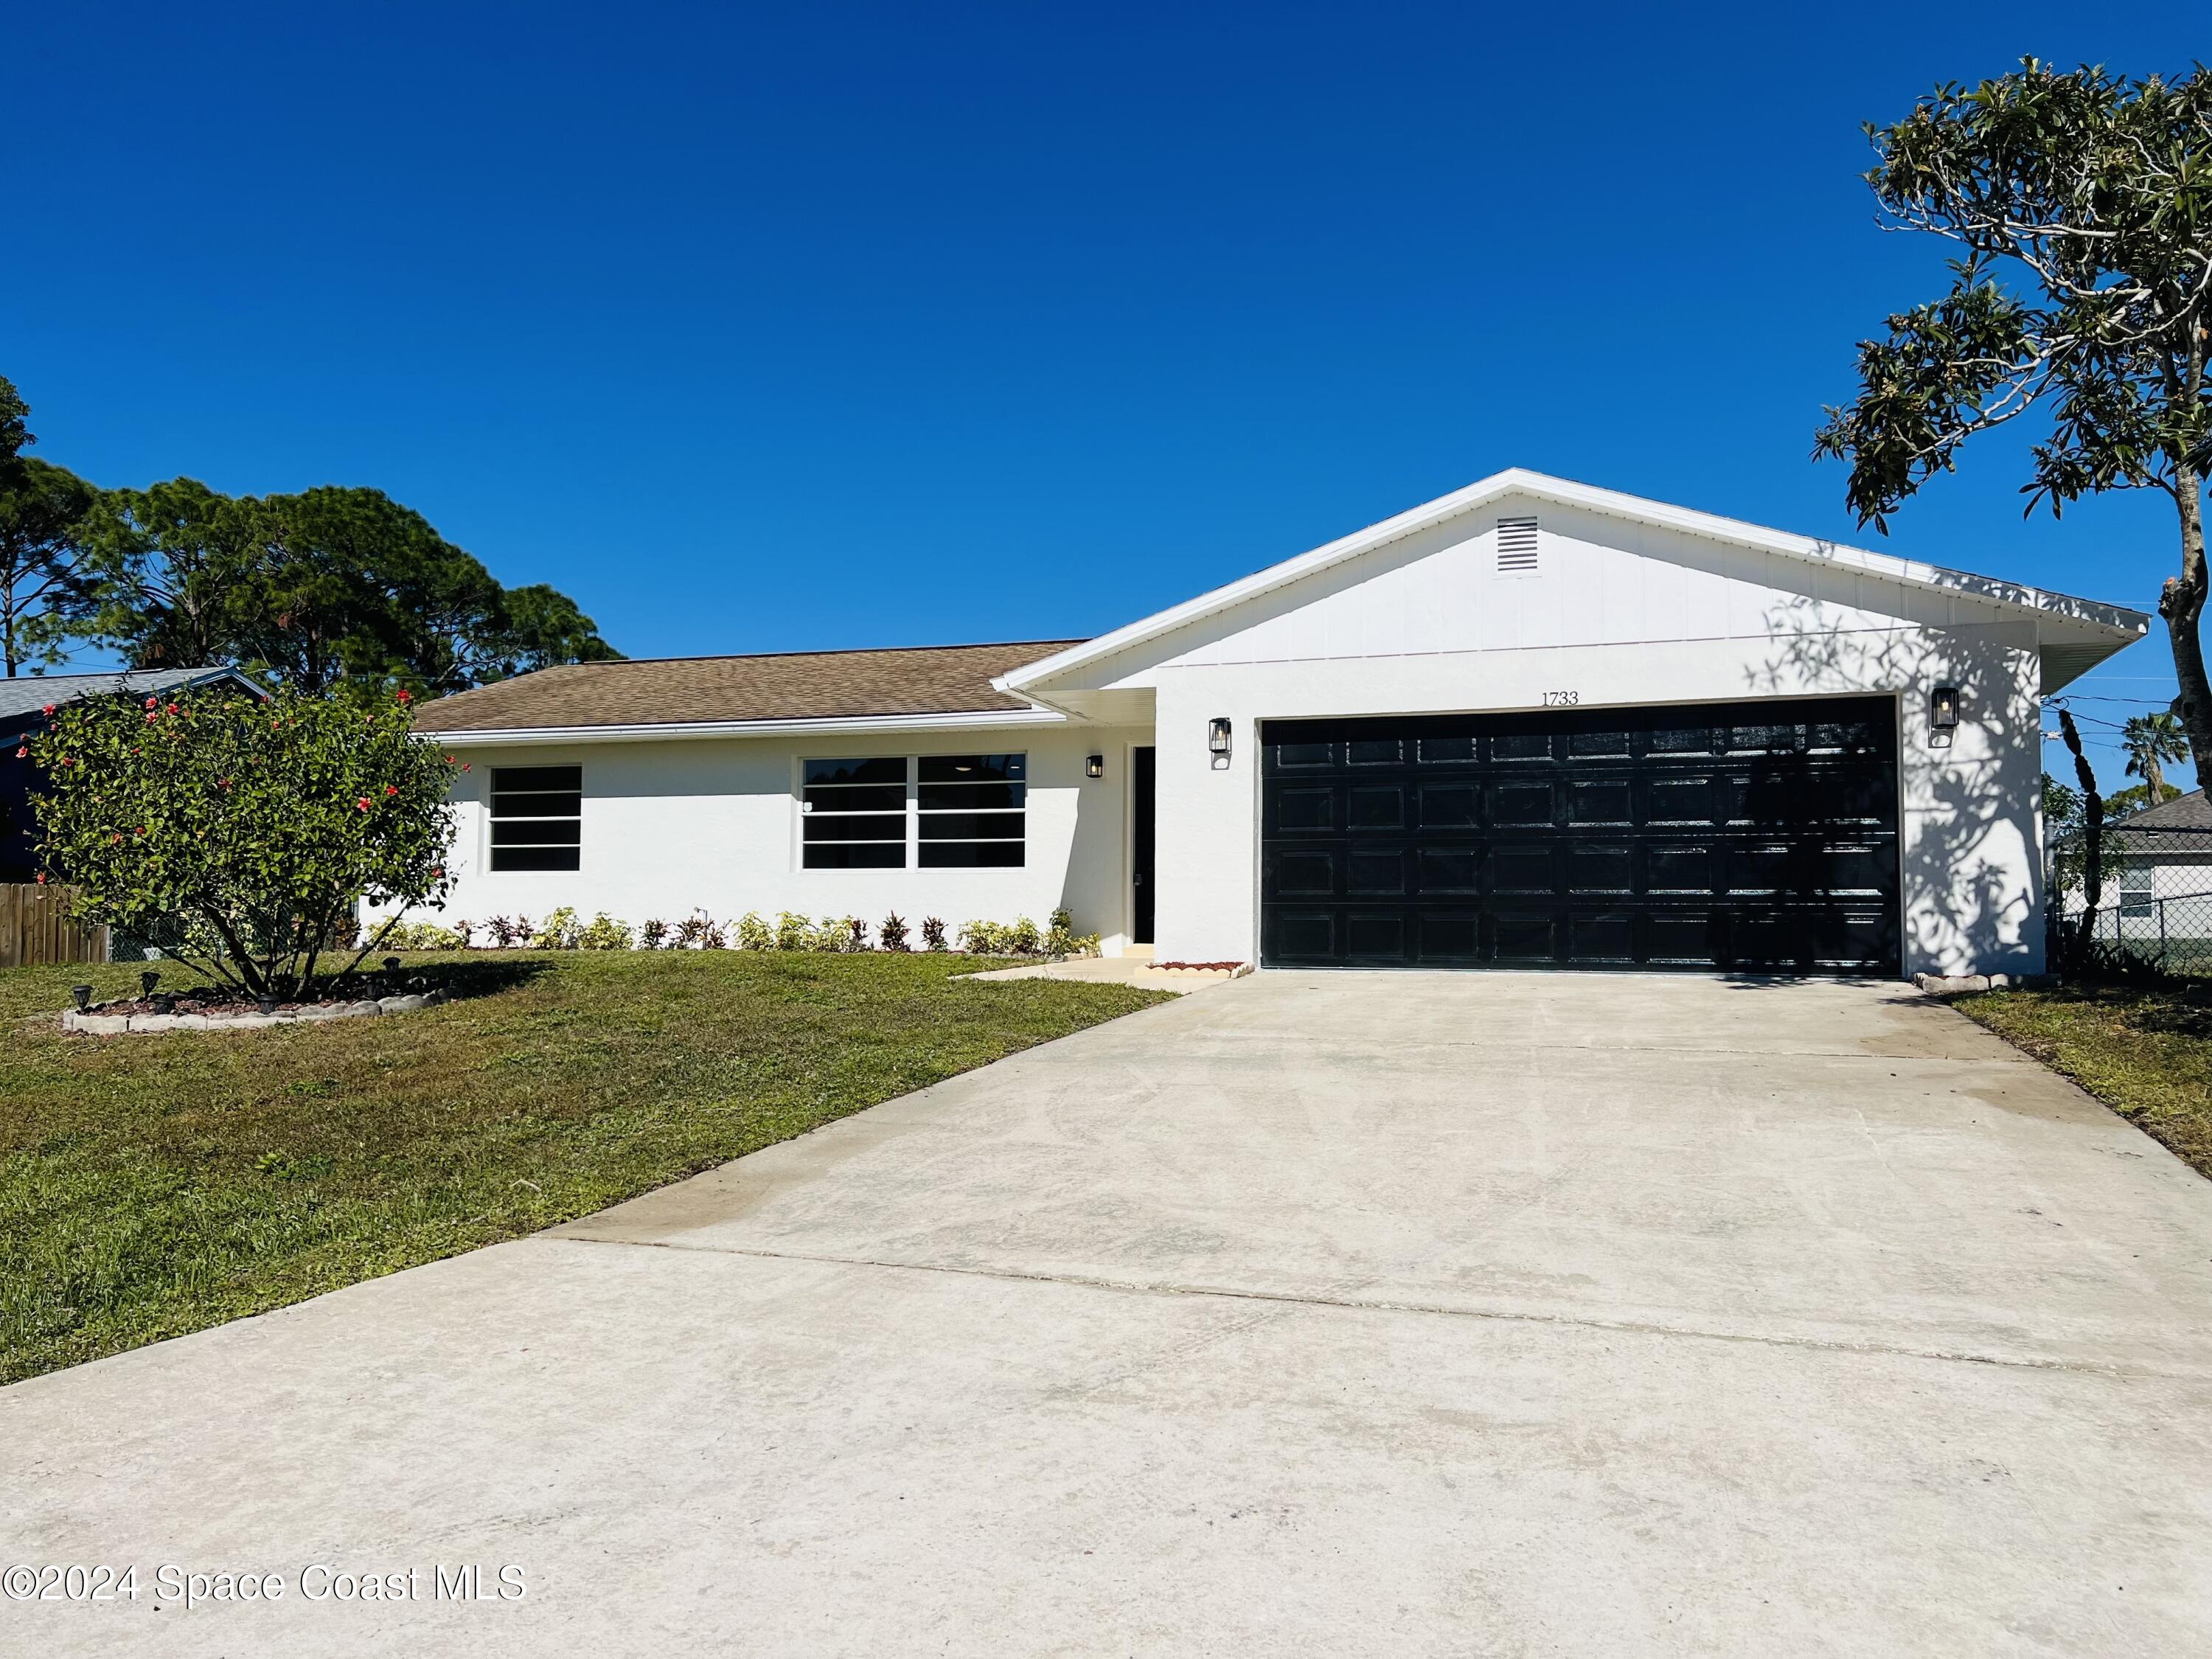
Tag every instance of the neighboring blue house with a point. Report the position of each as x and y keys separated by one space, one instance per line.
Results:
x=23 y=703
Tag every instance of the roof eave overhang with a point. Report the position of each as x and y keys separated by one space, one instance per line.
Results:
x=2117 y=621
x=845 y=725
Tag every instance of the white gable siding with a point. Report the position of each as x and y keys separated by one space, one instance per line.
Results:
x=1599 y=582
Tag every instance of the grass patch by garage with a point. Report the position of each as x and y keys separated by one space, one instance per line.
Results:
x=154 y=1185
x=2145 y=1051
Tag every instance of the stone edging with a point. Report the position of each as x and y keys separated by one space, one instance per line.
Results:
x=93 y=1023
x=1238 y=972
x=1946 y=985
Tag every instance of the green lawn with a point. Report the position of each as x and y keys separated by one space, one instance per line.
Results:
x=154 y=1185
x=2146 y=1053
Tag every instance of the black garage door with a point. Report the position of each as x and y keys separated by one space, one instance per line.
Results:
x=1755 y=836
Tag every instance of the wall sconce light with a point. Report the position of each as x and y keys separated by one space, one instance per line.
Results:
x=1095 y=767
x=1943 y=714
x=1217 y=741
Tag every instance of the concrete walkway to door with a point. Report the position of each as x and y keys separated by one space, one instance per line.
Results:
x=1344 y=1314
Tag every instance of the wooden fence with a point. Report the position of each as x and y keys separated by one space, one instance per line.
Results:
x=35 y=928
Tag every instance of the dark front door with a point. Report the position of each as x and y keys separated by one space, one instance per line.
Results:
x=1759 y=836
x=1142 y=775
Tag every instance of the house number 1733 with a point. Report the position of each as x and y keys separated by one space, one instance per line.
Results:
x=1562 y=699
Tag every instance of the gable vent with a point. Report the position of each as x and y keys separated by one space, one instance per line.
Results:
x=1516 y=545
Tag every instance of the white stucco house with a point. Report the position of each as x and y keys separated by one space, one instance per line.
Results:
x=1530 y=724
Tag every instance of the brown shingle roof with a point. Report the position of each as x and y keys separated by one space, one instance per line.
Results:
x=939 y=679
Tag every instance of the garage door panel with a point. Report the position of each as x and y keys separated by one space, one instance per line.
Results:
x=1450 y=938
x=1452 y=870
x=1301 y=937
x=1376 y=936
x=1599 y=867
x=1304 y=809
x=1304 y=872
x=1450 y=805
x=1520 y=868
x=1682 y=939
x=1728 y=836
x=1681 y=868
x=1598 y=800
x=1519 y=803
x=1604 y=938
x=1678 y=800
x=1523 y=938
x=1373 y=872
x=1377 y=808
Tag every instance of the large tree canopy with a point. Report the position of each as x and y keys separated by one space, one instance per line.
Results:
x=2093 y=194
x=331 y=588
x=43 y=597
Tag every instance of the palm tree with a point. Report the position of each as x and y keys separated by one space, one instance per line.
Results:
x=2151 y=740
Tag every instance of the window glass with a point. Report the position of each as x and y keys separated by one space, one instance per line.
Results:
x=853 y=813
x=537 y=817
x=2135 y=890
x=971 y=810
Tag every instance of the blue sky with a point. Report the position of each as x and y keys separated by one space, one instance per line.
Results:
x=776 y=328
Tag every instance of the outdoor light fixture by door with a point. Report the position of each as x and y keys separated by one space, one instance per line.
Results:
x=1095 y=767
x=1217 y=740
x=1943 y=714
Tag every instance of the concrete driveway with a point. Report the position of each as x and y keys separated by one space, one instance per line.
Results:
x=1312 y=1314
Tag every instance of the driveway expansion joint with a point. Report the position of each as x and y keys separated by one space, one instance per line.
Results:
x=1286 y=1298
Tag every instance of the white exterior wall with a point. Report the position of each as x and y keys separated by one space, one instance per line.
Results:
x=2172 y=876
x=1618 y=613
x=672 y=825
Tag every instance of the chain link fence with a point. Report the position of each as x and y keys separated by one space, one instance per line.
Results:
x=2171 y=934
x=2155 y=909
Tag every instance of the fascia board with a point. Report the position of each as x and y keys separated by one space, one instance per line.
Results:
x=855 y=726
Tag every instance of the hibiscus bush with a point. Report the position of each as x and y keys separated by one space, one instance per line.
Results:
x=252 y=828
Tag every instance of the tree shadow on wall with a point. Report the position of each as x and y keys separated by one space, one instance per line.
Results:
x=1969 y=833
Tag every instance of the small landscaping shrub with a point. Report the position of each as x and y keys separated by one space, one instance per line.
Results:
x=933 y=934
x=557 y=931
x=426 y=936
x=892 y=931
x=650 y=937
x=793 y=931
x=1062 y=940
x=604 y=934
x=1022 y=938
x=507 y=932
x=754 y=934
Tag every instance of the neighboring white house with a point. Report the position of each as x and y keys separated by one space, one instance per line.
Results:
x=2157 y=878
x=1530 y=724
